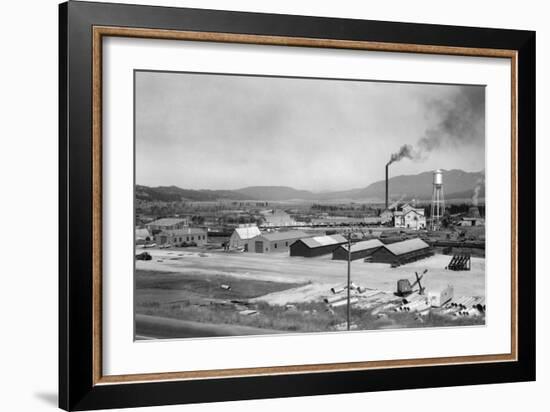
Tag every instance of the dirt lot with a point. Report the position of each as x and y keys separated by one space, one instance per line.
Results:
x=280 y=267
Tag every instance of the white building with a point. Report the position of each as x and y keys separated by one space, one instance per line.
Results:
x=409 y=218
x=241 y=235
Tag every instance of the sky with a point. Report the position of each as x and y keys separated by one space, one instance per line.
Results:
x=211 y=131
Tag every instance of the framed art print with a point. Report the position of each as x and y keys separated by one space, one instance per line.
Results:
x=259 y=205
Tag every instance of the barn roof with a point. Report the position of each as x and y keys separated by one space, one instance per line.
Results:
x=142 y=233
x=407 y=246
x=248 y=232
x=364 y=245
x=286 y=235
x=167 y=221
x=419 y=212
x=319 y=241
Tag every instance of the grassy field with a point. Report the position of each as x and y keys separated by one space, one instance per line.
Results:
x=199 y=298
x=207 y=286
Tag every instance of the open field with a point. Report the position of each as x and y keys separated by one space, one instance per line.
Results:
x=276 y=292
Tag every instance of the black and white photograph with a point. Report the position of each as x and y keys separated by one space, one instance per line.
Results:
x=283 y=205
x=277 y=206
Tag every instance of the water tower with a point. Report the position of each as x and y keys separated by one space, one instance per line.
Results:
x=438 y=201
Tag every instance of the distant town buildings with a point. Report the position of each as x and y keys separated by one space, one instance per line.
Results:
x=344 y=220
x=178 y=236
x=167 y=223
x=277 y=218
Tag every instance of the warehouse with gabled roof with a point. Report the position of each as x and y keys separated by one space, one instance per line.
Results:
x=403 y=252
x=316 y=246
x=359 y=250
x=274 y=241
x=241 y=235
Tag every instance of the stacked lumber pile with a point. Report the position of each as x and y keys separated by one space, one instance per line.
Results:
x=460 y=262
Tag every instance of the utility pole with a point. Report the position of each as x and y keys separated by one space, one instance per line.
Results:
x=349 y=279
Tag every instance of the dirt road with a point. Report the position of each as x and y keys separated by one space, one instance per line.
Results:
x=280 y=267
x=154 y=327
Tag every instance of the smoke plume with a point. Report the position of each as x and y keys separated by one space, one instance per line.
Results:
x=460 y=121
x=475 y=197
x=405 y=151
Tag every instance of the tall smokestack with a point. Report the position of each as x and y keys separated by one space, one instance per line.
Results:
x=387 y=185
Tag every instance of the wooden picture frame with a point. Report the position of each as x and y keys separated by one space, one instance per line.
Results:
x=82 y=27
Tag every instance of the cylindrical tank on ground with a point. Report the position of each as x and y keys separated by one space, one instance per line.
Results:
x=438 y=177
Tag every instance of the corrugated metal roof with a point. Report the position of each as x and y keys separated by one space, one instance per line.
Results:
x=319 y=241
x=363 y=245
x=289 y=234
x=407 y=246
x=167 y=221
x=248 y=232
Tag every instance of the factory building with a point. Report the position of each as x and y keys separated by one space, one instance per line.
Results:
x=179 y=236
x=359 y=250
x=274 y=241
x=410 y=218
x=241 y=235
x=473 y=218
x=403 y=252
x=316 y=246
x=472 y=221
x=167 y=223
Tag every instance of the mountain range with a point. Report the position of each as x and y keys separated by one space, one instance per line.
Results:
x=456 y=184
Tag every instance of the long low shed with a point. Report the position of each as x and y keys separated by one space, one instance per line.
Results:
x=403 y=252
x=316 y=246
x=359 y=250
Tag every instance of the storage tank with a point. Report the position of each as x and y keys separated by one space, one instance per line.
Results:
x=438 y=177
x=438 y=202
